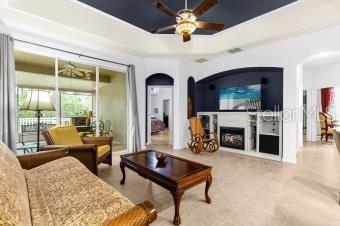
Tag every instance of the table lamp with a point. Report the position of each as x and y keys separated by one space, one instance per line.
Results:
x=38 y=100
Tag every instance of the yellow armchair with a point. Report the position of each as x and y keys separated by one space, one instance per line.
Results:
x=91 y=151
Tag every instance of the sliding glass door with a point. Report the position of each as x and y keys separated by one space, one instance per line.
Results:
x=113 y=106
x=77 y=95
x=33 y=73
x=90 y=97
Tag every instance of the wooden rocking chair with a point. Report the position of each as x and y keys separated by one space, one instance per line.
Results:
x=199 y=140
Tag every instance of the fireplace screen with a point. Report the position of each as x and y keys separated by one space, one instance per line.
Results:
x=232 y=137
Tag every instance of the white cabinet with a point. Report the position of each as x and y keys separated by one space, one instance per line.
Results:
x=269 y=134
x=209 y=122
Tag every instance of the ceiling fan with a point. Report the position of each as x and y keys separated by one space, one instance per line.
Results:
x=71 y=70
x=186 y=19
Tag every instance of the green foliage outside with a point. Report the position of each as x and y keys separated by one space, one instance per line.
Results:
x=72 y=104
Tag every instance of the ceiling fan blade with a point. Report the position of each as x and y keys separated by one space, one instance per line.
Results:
x=77 y=72
x=160 y=5
x=186 y=37
x=159 y=30
x=210 y=26
x=84 y=70
x=203 y=7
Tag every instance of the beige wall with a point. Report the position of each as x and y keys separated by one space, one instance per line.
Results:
x=113 y=105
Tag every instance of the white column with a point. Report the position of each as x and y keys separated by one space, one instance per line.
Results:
x=299 y=78
x=180 y=121
x=290 y=114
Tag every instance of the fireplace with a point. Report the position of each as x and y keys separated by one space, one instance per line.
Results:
x=232 y=137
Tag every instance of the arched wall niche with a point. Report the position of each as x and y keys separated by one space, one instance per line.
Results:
x=271 y=79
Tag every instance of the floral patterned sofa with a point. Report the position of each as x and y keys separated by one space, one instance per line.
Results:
x=51 y=188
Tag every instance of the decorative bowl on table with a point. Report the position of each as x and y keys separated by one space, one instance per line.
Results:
x=160 y=157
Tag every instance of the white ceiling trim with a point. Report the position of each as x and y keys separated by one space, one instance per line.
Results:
x=81 y=4
x=76 y=20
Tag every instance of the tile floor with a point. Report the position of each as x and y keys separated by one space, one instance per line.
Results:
x=247 y=190
x=163 y=137
x=118 y=147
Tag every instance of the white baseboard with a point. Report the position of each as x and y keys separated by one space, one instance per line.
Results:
x=289 y=160
x=122 y=152
x=179 y=147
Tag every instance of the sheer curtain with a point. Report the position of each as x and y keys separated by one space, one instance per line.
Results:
x=7 y=92
x=134 y=143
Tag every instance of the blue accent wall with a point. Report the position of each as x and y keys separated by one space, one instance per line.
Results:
x=143 y=14
x=191 y=94
x=271 y=78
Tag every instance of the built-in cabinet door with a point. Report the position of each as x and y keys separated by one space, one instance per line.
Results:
x=269 y=144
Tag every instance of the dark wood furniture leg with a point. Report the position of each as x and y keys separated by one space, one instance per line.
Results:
x=122 y=167
x=207 y=186
x=177 y=195
x=109 y=159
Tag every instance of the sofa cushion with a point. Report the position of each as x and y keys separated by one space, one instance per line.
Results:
x=14 y=205
x=64 y=192
x=65 y=135
x=102 y=150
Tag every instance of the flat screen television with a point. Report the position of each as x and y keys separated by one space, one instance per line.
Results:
x=240 y=98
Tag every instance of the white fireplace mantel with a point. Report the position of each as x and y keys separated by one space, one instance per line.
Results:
x=236 y=120
x=243 y=120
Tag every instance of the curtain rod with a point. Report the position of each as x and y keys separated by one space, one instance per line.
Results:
x=78 y=54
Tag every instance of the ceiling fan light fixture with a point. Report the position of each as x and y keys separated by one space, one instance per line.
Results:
x=186 y=19
x=88 y=75
x=186 y=24
x=186 y=27
x=185 y=14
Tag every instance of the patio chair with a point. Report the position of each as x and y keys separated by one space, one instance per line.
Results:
x=92 y=130
x=91 y=151
x=199 y=140
x=107 y=128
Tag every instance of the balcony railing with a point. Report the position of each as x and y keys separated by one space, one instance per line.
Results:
x=52 y=120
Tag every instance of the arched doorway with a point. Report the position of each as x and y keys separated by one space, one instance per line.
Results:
x=317 y=76
x=159 y=109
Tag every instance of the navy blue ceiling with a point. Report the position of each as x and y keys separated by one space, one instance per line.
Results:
x=143 y=14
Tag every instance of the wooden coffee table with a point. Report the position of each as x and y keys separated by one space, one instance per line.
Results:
x=176 y=175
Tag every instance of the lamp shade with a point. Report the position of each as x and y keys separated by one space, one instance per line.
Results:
x=38 y=100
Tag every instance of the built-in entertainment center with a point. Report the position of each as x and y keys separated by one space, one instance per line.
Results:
x=244 y=108
x=256 y=134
